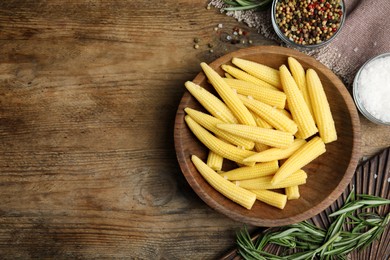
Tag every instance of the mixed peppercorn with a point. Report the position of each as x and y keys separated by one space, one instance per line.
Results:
x=308 y=22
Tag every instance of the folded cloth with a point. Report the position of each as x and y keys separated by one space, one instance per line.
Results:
x=366 y=33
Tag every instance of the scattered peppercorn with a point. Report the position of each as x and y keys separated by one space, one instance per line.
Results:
x=309 y=22
x=233 y=36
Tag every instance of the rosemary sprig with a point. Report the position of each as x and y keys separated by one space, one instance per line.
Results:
x=307 y=241
x=239 y=5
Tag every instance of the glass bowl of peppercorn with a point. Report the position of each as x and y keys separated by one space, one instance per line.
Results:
x=307 y=24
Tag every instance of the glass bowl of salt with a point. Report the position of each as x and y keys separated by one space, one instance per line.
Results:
x=371 y=89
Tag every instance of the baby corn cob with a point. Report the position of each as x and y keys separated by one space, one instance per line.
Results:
x=242 y=75
x=274 y=98
x=241 y=196
x=259 y=147
x=321 y=108
x=292 y=192
x=229 y=96
x=271 y=115
x=297 y=105
x=228 y=76
x=246 y=172
x=286 y=113
x=214 y=161
x=299 y=76
x=210 y=123
x=263 y=72
x=276 y=153
x=259 y=121
x=264 y=183
x=271 y=137
x=271 y=198
x=304 y=155
x=211 y=103
x=216 y=145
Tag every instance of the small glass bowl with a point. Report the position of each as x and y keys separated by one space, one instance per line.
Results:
x=357 y=98
x=285 y=39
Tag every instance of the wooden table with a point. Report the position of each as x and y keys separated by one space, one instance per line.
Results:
x=88 y=96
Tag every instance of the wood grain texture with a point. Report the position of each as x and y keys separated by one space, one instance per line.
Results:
x=88 y=96
x=326 y=180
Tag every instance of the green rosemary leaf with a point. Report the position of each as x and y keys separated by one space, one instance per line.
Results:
x=240 y=5
x=231 y=2
x=306 y=226
x=351 y=196
x=288 y=242
x=378 y=232
x=245 y=3
x=371 y=197
x=350 y=230
x=335 y=227
x=286 y=233
x=374 y=202
x=352 y=207
x=262 y=241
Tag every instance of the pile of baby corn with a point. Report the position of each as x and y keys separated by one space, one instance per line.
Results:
x=270 y=122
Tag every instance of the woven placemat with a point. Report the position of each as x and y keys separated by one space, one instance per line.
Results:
x=372 y=177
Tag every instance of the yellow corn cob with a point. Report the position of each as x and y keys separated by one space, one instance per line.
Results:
x=321 y=108
x=263 y=124
x=229 y=96
x=260 y=122
x=264 y=183
x=297 y=105
x=240 y=196
x=276 y=153
x=242 y=75
x=228 y=76
x=304 y=155
x=246 y=172
x=274 y=98
x=211 y=103
x=292 y=192
x=298 y=73
x=216 y=145
x=285 y=112
x=214 y=161
x=271 y=137
x=271 y=115
x=263 y=72
x=210 y=123
x=271 y=198
x=259 y=147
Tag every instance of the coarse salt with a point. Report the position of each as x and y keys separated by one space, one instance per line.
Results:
x=374 y=88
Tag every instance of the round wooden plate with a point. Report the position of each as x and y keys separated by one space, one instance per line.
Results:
x=328 y=175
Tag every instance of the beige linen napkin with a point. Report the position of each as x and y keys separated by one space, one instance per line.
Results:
x=366 y=33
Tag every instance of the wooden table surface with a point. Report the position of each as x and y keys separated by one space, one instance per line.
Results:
x=88 y=96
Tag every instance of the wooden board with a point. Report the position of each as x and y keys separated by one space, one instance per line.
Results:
x=88 y=96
